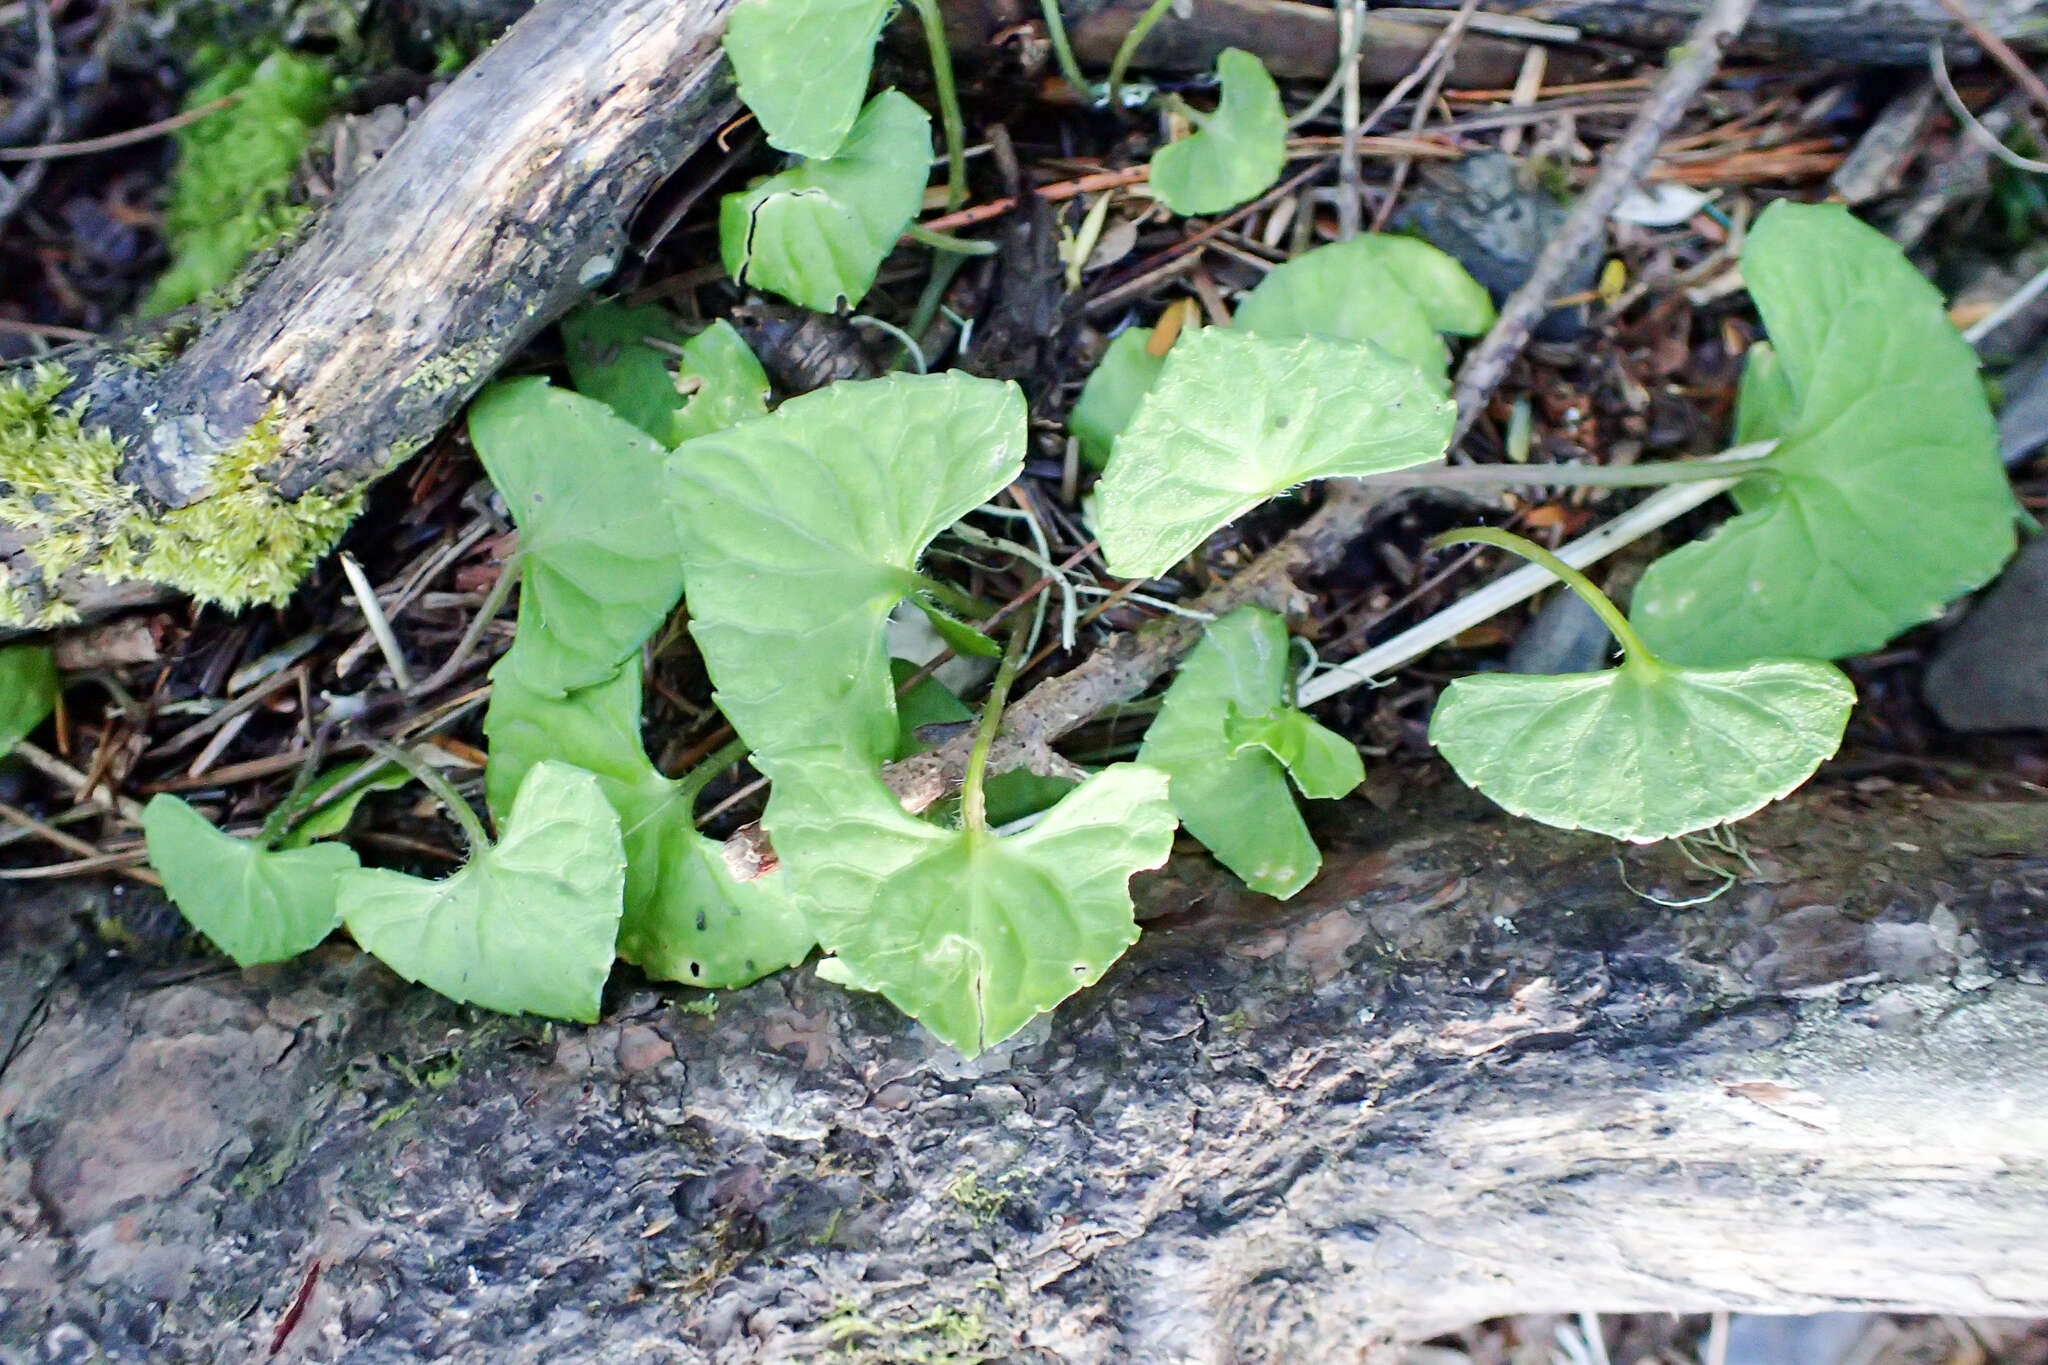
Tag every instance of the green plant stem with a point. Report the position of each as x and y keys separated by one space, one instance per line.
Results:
x=973 y=794
x=961 y=601
x=1128 y=48
x=946 y=241
x=949 y=102
x=1175 y=104
x=1741 y=463
x=1063 y=49
x=1639 y=654
x=444 y=791
x=692 y=783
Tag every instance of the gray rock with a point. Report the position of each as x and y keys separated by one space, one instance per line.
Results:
x=1991 y=673
x=1482 y=211
x=1566 y=637
x=1818 y=1339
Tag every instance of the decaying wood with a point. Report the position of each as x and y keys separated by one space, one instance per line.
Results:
x=1894 y=32
x=1467 y=1072
x=505 y=201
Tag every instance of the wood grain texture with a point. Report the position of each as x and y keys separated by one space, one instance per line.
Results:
x=1468 y=1072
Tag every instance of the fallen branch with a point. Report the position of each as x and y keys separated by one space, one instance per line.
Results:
x=504 y=203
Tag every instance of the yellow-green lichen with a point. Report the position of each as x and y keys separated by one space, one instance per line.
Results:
x=59 y=487
x=944 y=1336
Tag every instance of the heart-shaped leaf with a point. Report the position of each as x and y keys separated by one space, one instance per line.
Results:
x=970 y=934
x=1110 y=398
x=1396 y=292
x=596 y=540
x=801 y=530
x=253 y=904
x=1236 y=419
x=28 y=691
x=1887 y=498
x=1647 y=751
x=1240 y=149
x=1229 y=783
x=527 y=926
x=803 y=66
x=817 y=232
x=685 y=917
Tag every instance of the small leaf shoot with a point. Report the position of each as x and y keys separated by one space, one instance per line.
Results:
x=1228 y=741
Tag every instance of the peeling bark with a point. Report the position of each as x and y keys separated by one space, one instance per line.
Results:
x=1467 y=1073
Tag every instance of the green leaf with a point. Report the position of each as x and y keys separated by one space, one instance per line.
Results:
x=28 y=691
x=1646 y=751
x=1229 y=786
x=1111 y=396
x=962 y=638
x=527 y=926
x=817 y=233
x=610 y=360
x=1396 y=292
x=803 y=67
x=1888 y=499
x=1240 y=149
x=801 y=530
x=596 y=540
x=255 y=905
x=725 y=380
x=685 y=918
x=971 y=934
x=332 y=818
x=1236 y=419
x=1323 y=763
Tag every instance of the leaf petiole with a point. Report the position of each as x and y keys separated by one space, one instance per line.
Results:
x=444 y=791
x=948 y=596
x=1063 y=49
x=1128 y=48
x=973 y=795
x=1639 y=655
x=949 y=101
x=692 y=783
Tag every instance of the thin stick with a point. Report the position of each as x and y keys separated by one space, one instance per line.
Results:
x=1350 y=194
x=1517 y=587
x=494 y=602
x=71 y=843
x=1741 y=462
x=380 y=625
x=1693 y=64
x=82 y=787
x=2001 y=52
x=86 y=146
x=1439 y=61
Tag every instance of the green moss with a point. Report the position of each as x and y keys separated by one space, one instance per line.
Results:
x=944 y=1336
x=240 y=545
x=984 y=1204
x=228 y=193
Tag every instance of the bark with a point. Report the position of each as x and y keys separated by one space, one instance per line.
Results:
x=1467 y=1073
x=1883 y=32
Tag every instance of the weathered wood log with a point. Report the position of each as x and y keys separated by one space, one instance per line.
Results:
x=1882 y=32
x=1469 y=1072
x=505 y=201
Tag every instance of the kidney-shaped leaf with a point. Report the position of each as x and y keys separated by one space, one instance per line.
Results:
x=970 y=934
x=1239 y=150
x=28 y=691
x=255 y=905
x=527 y=926
x=1888 y=498
x=801 y=530
x=817 y=232
x=1396 y=292
x=685 y=918
x=596 y=541
x=803 y=65
x=1236 y=419
x=1229 y=787
x=1646 y=751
